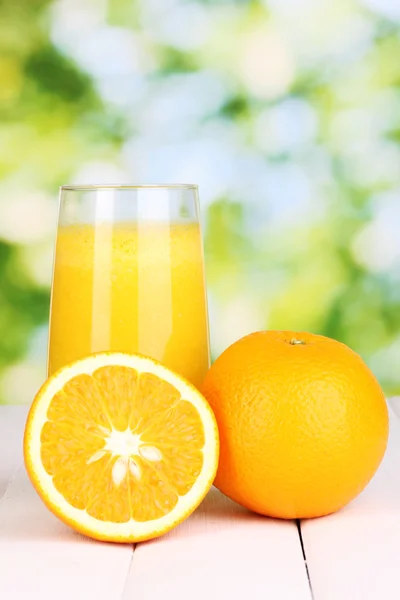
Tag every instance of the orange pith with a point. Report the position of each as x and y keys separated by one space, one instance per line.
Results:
x=124 y=447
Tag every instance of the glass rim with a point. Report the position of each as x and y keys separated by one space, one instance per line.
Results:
x=106 y=186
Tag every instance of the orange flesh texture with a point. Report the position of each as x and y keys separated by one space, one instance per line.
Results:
x=144 y=484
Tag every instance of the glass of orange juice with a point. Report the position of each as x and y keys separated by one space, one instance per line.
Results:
x=129 y=276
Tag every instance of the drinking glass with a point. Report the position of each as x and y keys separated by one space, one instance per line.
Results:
x=129 y=276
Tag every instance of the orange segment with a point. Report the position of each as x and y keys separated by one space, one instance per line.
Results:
x=119 y=387
x=120 y=447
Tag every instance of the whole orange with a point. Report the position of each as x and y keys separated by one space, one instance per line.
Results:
x=303 y=423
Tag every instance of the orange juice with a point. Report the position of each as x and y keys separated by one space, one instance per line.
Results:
x=130 y=288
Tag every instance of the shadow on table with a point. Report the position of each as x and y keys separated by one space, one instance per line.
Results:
x=218 y=515
x=26 y=518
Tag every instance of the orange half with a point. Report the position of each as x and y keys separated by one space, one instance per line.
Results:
x=120 y=448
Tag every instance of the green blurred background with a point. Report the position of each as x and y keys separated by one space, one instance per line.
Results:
x=285 y=112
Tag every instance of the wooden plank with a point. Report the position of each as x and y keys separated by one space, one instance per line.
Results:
x=221 y=551
x=395 y=405
x=12 y=422
x=39 y=556
x=355 y=552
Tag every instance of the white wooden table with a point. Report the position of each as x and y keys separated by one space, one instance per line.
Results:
x=221 y=552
